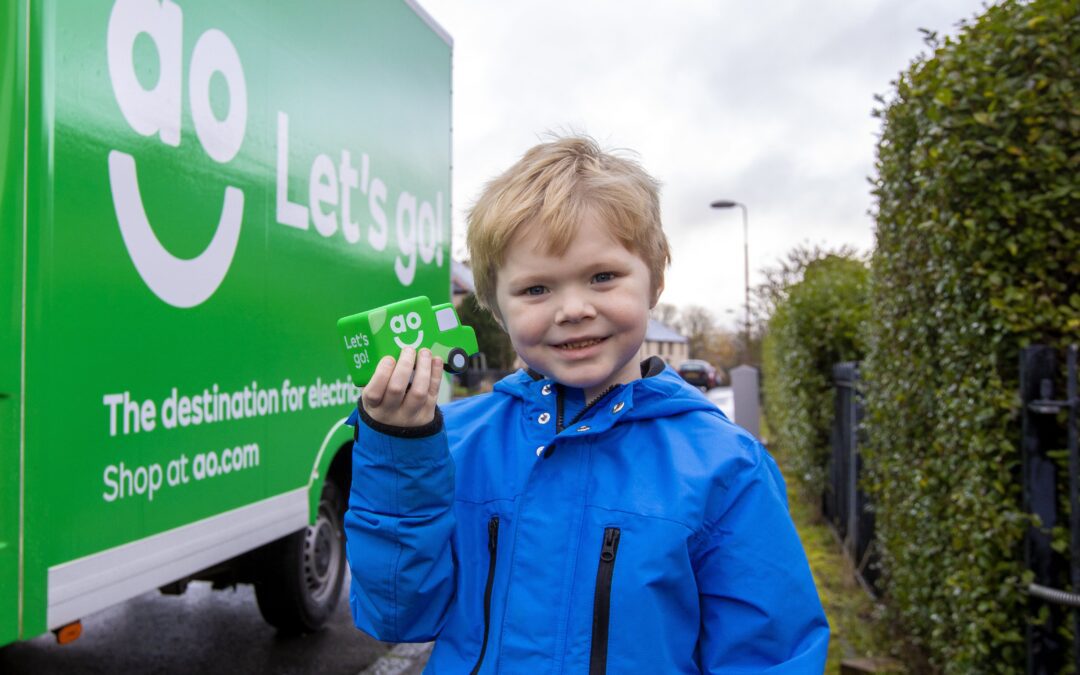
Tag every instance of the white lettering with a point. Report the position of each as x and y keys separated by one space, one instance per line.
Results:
x=154 y=111
x=110 y=481
x=173 y=473
x=288 y=213
x=147 y=413
x=215 y=53
x=349 y=182
x=406 y=239
x=377 y=234
x=426 y=233
x=113 y=401
x=323 y=189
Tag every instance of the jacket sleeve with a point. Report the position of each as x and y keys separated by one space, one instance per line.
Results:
x=398 y=533
x=760 y=610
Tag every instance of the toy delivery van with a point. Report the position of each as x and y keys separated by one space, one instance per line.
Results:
x=369 y=336
x=191 y=193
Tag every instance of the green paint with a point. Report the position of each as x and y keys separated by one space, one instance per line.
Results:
x=121 y=349
x=12 y=129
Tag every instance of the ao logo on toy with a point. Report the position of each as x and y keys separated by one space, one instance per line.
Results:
x=403 y=322
x=179 y=282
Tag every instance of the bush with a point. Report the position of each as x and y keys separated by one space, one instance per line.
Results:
x=815 y=325
x=978 y=255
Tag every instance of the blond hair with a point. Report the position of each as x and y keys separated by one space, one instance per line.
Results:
x=552 y=187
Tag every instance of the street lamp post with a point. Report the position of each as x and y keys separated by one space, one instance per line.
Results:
x=728 y=204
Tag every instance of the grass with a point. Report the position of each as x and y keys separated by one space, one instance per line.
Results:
x=857 y=623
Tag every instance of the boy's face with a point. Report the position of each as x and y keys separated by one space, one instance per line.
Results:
x=578 y=318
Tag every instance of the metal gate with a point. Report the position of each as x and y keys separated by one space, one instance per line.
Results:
x=1043 y=435
x=844 y=503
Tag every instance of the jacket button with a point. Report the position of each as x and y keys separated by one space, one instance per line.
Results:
x=543 y=419
x=546 y=390
x=618 y=407
x=540 y=451
x=583 y=427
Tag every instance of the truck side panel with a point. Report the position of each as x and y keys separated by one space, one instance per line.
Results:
x=12 y=134
x=211 y=186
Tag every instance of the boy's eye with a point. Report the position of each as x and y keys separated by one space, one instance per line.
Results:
x=534 y=290
x=603 y=276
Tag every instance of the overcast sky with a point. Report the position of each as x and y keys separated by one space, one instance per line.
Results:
x=767 y=103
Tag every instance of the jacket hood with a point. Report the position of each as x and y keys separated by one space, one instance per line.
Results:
x=660 y=392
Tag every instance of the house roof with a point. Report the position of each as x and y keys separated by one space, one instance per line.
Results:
x=658 y=332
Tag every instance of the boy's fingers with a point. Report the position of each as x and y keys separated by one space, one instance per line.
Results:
x=436 y=378
x=417 y=394
x=399 y=379
x=375 y=390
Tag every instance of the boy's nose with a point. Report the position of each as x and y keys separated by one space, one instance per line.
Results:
x=574 y=308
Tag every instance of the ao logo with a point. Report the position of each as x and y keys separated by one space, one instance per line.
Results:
x=403 y=322
x=179 y=282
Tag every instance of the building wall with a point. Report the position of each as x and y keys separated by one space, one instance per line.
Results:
x=674 y=353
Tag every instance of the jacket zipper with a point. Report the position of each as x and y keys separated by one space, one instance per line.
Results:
x=559 y=426
x=493 y=541
x=602 y=602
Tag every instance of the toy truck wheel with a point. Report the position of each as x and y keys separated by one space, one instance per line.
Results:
x=457 y=361
x=305 y=571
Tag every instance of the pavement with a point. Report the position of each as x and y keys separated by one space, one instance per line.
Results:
x=402 y=659
x=724 y=399
x=208 y=631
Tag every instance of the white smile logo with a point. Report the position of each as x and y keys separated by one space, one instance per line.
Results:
x=179 y=282
x=401 y=323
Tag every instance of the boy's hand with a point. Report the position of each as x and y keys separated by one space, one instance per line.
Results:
x=390 y=399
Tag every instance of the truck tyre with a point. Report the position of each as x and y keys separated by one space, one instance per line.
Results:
x=304 y=572
x=457 y=361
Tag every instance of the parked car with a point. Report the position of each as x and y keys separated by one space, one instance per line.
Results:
x=698 y=373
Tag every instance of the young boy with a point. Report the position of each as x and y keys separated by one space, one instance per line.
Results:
x=592 y=514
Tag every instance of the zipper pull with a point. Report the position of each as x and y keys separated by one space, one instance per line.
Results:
x=493 y=533
x=611 y=543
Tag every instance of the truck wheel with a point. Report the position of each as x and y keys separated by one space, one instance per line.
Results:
x=304 y=572
x=457 y=361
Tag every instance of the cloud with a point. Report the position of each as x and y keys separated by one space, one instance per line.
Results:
x=768 y=103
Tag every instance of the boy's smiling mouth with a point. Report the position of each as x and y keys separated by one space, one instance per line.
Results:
x=579 y=344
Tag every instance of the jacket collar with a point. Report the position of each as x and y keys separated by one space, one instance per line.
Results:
x=661 y=392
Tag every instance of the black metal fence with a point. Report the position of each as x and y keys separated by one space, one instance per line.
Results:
x=844 y=503
x=1051 y=493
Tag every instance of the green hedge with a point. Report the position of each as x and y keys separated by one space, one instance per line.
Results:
x=815 y=325
x=978 y=255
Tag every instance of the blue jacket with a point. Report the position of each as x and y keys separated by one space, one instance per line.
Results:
x=650 y=535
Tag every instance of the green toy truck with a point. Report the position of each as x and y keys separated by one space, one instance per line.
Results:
x=369 y=336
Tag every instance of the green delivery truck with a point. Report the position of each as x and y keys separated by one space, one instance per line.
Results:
x=191 y=194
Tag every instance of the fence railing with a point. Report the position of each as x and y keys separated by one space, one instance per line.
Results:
x=844 y=503
x=1051 y=492
x=1053 y=501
